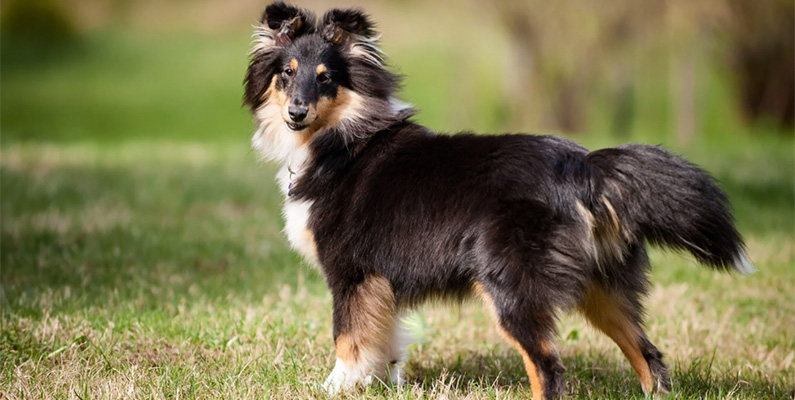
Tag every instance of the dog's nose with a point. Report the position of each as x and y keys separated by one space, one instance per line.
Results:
x=297 y=113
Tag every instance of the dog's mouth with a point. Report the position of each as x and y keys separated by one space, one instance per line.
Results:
x=296 y=127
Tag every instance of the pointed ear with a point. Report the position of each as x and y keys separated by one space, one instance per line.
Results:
x=352 y=29
x=338 y=25
x=281 y=23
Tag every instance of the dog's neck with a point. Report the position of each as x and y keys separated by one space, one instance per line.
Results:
x=295 y=164
x=274 y=141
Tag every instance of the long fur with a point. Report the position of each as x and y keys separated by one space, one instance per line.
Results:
x=533 y=224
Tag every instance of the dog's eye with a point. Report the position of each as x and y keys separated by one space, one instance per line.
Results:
x=289 y=71
x=323 y=78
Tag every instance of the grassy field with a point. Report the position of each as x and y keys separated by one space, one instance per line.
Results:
x=142 y=255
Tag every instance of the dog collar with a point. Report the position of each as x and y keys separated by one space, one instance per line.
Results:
x=292 y=183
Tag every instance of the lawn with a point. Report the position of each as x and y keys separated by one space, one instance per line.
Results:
x=142 y=256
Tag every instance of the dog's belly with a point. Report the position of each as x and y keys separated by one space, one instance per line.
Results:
x=296 y=217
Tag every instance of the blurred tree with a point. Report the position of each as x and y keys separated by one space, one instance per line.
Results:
x=568 y=56
x=45 y=22
x=762 y=40
x=562 y=50
x=689 y=26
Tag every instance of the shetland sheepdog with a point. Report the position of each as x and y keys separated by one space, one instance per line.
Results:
x=394 y=214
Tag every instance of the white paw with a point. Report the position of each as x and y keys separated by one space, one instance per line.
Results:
x=343 y=378
x=395 y=374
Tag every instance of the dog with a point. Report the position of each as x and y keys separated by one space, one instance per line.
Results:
x=394 y=214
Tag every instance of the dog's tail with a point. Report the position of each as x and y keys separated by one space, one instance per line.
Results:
x=637 y=192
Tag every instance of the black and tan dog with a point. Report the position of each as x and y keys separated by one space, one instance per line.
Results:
x=394 y=214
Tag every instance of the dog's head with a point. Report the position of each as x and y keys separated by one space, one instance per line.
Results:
x=307 y=76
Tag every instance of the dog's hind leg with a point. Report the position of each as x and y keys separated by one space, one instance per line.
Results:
x=531 y=332
x=612 y=304
x=365 y=324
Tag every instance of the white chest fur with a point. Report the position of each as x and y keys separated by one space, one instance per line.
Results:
x=296 y=219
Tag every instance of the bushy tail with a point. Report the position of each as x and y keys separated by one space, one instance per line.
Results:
x=648 y=193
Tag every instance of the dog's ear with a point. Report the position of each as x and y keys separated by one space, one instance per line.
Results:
x=352 y=29
x=339 y=26
x=281 y=23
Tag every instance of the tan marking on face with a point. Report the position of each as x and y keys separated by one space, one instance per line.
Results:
x=330 y=112
x=321 y=69
x=274 y=94
x=372 y=321
x=536 y=380
x=327 y=113
x=294 y=64
x=609 y=313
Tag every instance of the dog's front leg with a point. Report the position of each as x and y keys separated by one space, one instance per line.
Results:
x=364 y=325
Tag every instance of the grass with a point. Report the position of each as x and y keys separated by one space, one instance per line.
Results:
x=153 y=269
x=142 y=256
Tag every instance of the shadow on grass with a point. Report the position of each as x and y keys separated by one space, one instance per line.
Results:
x=596 y=376
x=79 y=236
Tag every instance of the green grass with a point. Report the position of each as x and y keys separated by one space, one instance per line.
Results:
x=151 y=269
x=142 y=256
